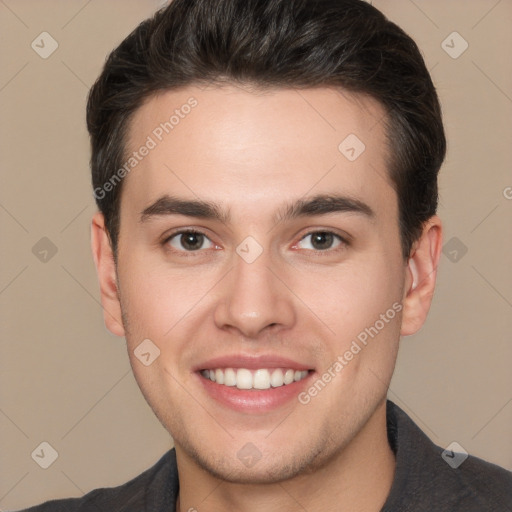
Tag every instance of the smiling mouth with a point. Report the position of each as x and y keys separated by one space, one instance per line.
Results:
x=264 y=378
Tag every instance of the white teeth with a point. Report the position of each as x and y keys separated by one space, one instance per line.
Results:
x=219 y=376
x=263 y=378
x=229 y=377
x=288 y=376
x=277 y=378
x=243 y=379
x=299 y=375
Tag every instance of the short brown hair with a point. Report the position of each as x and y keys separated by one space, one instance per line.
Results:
x=276 y=43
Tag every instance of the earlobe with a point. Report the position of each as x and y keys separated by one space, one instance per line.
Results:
x=421 y=277
x=106 y=270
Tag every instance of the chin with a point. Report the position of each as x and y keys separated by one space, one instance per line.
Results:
x=249 y=466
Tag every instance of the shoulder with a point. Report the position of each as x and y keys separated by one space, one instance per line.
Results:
x=157 y=486
x=475 y=485
x=429 y=478
x=488 y=481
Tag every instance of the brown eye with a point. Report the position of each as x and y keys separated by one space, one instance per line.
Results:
x=321 y=240
x=188 y=241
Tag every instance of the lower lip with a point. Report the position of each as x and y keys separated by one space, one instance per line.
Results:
x=254 y=400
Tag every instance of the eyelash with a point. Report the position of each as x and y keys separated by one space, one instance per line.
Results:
x=317 y=252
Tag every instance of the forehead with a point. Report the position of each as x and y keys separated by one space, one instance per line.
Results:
x=248 y=146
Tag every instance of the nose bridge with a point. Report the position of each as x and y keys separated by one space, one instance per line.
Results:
x=253 y=298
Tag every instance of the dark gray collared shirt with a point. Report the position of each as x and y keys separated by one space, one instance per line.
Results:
x=423 y=482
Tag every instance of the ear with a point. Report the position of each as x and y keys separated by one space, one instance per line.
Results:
x=106 y=269
x=421 y=276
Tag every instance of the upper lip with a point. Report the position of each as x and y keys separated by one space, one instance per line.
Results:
x=251 y=362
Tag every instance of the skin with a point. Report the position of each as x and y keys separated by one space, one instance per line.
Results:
x=250 y=152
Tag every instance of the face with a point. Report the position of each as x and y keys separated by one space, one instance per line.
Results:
x=259 y=247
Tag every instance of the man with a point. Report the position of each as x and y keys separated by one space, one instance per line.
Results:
x=266 y=175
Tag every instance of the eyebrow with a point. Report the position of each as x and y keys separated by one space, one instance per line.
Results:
x=321 y=204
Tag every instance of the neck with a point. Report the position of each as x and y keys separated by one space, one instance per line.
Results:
x=358 y=478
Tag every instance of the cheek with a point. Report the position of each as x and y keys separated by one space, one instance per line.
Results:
x=361 y=308
x=351 y=297
x=155 y=300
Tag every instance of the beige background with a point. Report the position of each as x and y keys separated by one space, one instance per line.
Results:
x=67 y=381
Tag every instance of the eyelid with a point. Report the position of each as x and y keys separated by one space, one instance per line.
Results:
x=344 y=240
x=182 y=231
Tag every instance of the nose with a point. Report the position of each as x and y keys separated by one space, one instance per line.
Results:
x=254 y=298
